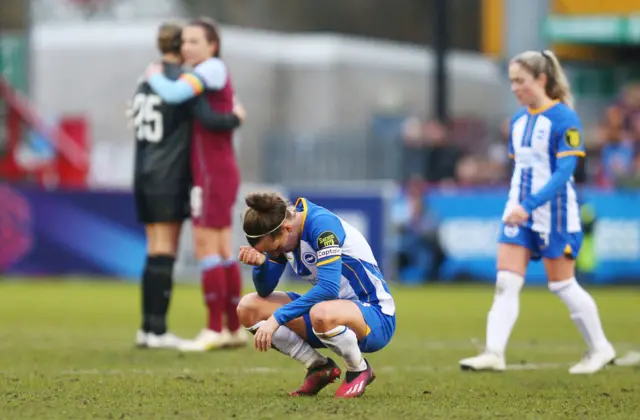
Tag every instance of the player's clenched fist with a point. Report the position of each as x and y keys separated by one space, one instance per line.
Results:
x=251 y=256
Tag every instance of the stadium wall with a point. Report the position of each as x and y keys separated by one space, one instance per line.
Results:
x=96 y=234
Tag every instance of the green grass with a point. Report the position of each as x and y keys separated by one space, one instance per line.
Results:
x=66 y=353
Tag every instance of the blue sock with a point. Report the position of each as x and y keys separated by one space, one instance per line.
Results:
x=229 y=261
x=210 y=261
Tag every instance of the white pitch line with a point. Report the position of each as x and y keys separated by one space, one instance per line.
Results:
x=473 y=344
x=263 y=370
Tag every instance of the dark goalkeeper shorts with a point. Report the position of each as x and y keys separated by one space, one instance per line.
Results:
x=161 y=208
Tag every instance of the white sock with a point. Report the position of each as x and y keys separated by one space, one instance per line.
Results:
x=289 y=343
x=344 y=342
x=583 y=310
x=504 y=311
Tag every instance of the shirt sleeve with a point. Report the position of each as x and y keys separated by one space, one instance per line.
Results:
x=327 y=239
x=512 y=151
x=568 y=138
x=267 y=276
x=569 y=147
x=212 y=73
x=176 y=91
x=563 y=173
x=211 y=119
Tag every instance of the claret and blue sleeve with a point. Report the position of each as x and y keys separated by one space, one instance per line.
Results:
x=210 y=74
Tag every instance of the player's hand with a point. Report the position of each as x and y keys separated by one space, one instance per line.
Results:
x=251 y=256
x=154 y=68
x=517 y=216
x=262 y=339
x=239 y=110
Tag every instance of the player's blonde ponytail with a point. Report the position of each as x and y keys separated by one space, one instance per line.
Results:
x=557 y=84
x=546 y=62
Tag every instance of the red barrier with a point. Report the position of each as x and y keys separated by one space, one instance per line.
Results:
x=70 y=165
x=74 y=175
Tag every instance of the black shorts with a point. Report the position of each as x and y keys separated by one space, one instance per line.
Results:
x=162 y=208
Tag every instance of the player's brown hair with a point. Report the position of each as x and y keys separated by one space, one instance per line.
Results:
x=546 y=62
x=211 y=31
x=170 y=38
x=264 y=216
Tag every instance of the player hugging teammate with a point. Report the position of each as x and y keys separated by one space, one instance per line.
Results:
x=216 y=180
x=163 y=132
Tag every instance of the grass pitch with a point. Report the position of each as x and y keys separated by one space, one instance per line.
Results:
x=66 y=353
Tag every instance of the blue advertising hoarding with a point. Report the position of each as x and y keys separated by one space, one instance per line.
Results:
x=470 y=221
x=96 y=233
x=72 y=232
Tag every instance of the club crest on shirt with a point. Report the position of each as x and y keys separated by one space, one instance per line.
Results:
x=309 y=258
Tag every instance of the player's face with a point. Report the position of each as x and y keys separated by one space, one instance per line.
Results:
x=282 y=243
x=524 y=86
x=195 y=46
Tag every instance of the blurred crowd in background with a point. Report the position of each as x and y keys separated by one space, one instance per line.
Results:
x=437 y=155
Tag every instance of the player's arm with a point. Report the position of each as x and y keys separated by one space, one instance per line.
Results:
x=267 y=276
x=212 y=120
x=211 y=74
x=568 y=150
x=512 y=152
x=328 y=238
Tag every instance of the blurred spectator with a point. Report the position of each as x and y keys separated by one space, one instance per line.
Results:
x=490 y=167
x=626 y=107
x=413 y=152
x=617 y=134
x=420 y=254
x=499 y=150
x=428 y=152
x=616 y=156
x=441 y=155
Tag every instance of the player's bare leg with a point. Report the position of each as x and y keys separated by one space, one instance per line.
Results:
x=339 y=324
x=289 y=339
x=584 y=313
x=208 y=247
x=157 y=284
x=512 y=265
x=234 y=335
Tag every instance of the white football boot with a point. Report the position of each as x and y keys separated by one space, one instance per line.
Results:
x=487 y=361
x=630 y=359
x=163 y=341
x=141 y=339
x=205 y=340
x=594 y=361
x=236 y=339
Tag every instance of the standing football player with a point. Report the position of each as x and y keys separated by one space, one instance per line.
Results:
x=216 y=181
x=542 y=215
x=162 y=182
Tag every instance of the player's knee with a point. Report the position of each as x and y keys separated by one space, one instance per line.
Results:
x=509 y=282
x=160 y=247
x=249 y=310
x=322 y=319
